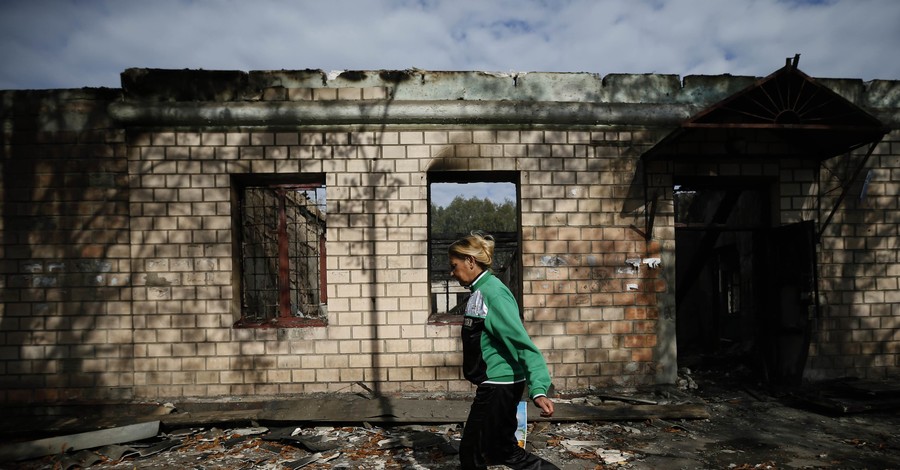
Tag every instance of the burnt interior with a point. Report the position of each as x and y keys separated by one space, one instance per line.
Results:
x=745 y=287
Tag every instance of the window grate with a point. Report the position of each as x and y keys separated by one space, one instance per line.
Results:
x=282 y=253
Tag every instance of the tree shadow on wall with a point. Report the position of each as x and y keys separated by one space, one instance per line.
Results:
x=851 y=270
x=66 y=319
x=379 y=195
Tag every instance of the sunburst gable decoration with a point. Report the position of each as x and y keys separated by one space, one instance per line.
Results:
x=787 y=106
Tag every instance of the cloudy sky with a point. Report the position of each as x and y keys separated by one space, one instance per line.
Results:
x=76 y=43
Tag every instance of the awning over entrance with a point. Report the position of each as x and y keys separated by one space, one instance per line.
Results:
x=787 y=114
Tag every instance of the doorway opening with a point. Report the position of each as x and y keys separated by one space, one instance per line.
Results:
x=744 y=286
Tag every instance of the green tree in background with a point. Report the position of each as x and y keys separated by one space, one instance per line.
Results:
x=464 y=215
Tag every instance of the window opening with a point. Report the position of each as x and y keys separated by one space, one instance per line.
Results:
x=282 y=255
x=458 y=205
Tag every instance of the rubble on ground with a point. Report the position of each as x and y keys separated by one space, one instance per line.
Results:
x=747 y=427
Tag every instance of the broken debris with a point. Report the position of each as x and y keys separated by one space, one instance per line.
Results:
x=742 y=432
x=73 y=442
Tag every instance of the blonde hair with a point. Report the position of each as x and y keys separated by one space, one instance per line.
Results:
x=477 y=245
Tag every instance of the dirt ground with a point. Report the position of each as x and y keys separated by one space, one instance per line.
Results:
x=749 y=427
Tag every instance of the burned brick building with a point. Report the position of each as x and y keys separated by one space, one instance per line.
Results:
x=213 y=233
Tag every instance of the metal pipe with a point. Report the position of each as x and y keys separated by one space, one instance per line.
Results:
x=303 y=113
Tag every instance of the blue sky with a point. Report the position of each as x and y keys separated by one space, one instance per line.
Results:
x=442 y=194
x=76 y=43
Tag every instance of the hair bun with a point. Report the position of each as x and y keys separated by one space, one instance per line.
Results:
x=478 y=245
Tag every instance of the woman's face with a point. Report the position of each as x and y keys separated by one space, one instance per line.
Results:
x=464 y=269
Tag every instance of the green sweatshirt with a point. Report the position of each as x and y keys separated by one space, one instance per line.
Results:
x=496 y=347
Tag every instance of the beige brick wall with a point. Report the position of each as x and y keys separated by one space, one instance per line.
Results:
x=65 y=305
x=860 y=279
x=575 y=301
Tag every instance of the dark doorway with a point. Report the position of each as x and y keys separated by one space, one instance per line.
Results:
x=791 y=285
x=743 y=286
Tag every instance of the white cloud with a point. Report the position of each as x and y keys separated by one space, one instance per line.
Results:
x=51 y=44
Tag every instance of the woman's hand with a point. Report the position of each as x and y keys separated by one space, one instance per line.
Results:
x=545 y=405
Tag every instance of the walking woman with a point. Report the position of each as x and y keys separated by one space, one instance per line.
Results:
x=500 y=358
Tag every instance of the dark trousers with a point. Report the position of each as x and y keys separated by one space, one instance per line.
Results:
x=489 y=436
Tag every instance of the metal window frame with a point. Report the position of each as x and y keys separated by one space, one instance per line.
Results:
x=284 y=317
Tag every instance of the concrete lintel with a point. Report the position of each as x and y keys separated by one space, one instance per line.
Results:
x=381 y=112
